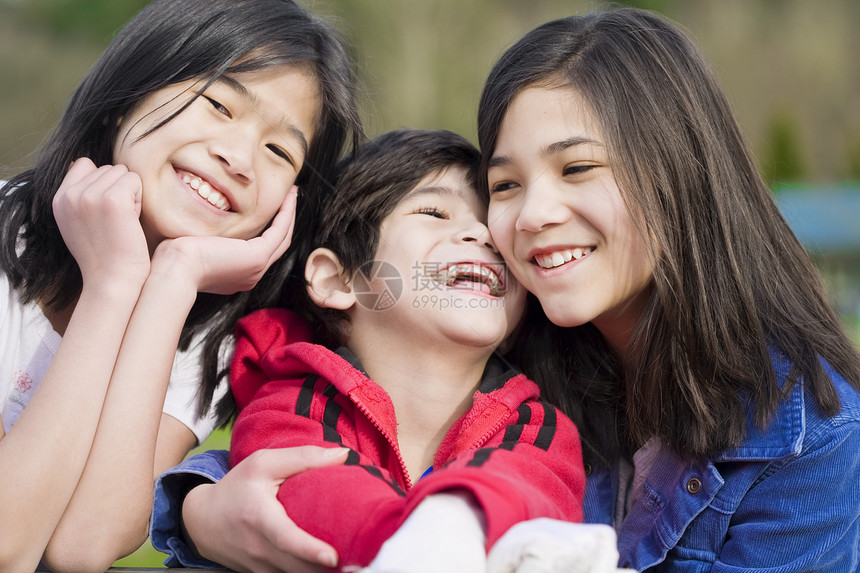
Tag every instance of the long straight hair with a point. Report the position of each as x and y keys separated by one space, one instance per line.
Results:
x=168 y=42
x=731 y=282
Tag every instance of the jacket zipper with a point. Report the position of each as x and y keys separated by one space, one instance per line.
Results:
x=393 y=443
x=494 y=429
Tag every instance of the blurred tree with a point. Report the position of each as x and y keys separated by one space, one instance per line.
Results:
x=854 y=160
x=662 y=6
x=424 y=62
x=46 y=48
x=93 y=20
x=783 y=162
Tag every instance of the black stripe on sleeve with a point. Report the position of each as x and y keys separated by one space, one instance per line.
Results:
x=330 y=416
x=512 y=436
x=352 y=459
x=547 y=430
x=375 y=472
x=480 y=457
x=306 y=396
x=331 y=413
x=514 y=431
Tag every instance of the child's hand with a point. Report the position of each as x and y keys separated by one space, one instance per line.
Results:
x=97 y=210
x=444 y=533
x=224 y=266
x=552 y=546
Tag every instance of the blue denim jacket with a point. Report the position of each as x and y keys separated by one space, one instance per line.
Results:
x=165 y=529
x=787 y=499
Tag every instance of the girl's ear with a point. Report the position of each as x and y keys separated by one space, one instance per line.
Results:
x=327 y=284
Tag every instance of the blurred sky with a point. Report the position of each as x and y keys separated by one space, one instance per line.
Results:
x=788 y=65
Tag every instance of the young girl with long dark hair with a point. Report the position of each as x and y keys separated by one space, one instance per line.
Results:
x=171 y=173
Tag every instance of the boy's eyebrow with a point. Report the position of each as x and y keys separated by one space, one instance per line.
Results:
x=551 y=149
x=282 y=125
x=435 y=190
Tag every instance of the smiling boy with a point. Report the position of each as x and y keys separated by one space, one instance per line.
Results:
x=432 y=417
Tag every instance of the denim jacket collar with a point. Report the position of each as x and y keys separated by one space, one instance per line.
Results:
x=676 y=490
x=781 y=438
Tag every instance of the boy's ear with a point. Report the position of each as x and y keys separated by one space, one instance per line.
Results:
x=327 y=285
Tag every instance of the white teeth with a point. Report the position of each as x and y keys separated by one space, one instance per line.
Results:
x=558 y=258
x=206 y=191
x=474 y=273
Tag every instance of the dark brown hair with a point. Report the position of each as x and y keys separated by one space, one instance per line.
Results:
x=168 y=42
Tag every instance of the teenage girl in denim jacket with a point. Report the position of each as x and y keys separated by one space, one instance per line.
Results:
x=714 y=387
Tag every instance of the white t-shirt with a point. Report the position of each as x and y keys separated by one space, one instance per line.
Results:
x=28 y=344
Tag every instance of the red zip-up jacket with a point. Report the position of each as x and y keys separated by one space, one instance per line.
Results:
x=518 y=456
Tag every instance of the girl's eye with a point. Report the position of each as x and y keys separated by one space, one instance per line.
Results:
x=433 y=212
x=218 y=106
x=281 y=153
x=578 y=169
x=502 y=186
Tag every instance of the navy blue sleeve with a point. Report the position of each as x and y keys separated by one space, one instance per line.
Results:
x=172 y=486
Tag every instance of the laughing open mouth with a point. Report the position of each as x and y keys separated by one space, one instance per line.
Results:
x=479 y=275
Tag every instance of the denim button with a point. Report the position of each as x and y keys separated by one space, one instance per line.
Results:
x=694 y=485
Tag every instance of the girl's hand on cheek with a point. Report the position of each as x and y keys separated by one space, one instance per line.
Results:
x=97 y=210
x=221 y=265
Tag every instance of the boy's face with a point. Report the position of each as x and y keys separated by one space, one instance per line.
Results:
x=455 y=283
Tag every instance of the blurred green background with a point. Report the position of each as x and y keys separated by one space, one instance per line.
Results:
x=790 y=69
